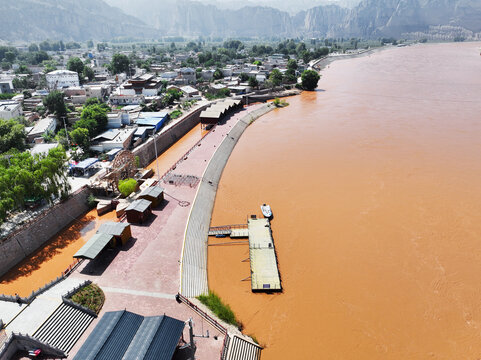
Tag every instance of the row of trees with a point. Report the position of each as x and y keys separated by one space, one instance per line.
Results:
x=24 y=178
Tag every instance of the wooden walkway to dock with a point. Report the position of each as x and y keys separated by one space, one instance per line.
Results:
x=264 y=271
x=234 y=231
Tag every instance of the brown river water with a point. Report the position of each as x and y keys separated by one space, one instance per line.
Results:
x=374 y=181
x=47 y=263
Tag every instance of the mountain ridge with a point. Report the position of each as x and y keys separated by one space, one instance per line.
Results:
x=81 y=20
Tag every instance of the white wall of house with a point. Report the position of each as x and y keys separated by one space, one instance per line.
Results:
x=62 y=78
x=9 y=110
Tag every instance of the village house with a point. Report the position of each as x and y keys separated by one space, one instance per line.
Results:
x=10 y=109
x=43 y=126
x=113 y=139
x=186 y=76
x=6 y=86
x=147 y=85
x=118 y=99
x=62 y=78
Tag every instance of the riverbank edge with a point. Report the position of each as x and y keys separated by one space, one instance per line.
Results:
x=193 y=265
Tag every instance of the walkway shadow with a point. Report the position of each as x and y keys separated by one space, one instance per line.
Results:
x=98 y=266
x=162 y=205
x=149 y=221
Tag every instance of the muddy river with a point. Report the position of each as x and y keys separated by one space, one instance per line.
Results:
x=374 y=181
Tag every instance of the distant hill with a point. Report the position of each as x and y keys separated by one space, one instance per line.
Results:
x=94 y=19
x=368 y=19
x=68 y=20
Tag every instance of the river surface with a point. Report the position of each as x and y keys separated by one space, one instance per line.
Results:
x=374 y=181
x=47 y=263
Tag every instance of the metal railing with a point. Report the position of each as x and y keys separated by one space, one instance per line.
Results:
x=180 y=298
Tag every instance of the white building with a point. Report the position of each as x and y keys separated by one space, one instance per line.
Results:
x=113 y=139
x=10 y=109
x=42 y=127
x=116 y=99
x=6 y=86
x=62 y=78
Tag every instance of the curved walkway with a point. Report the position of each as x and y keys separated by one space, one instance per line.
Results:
x=194 y=255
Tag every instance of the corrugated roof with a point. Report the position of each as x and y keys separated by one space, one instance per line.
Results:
x=86 y=163
x=94 y=246
x=108 y=135
x=112 y=228
x=153 y=191
x=139 y=205
x=210 y=114
x=125 y=335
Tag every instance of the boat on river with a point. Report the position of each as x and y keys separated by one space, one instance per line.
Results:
x=266 y=211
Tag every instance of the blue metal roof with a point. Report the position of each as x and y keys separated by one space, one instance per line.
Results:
x=86 y=163
x=125 y=335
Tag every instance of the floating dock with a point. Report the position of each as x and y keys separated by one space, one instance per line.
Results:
x=264 y=272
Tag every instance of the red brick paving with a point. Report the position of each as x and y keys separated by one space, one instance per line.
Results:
x=150 y=262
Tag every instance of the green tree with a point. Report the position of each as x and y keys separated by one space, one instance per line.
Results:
x=90 y=44
x=253 y=83
x=76 y=64
x=218 y=74
x=33 y=48
x=93 y=118
x=127 y=186
x=23 y=177
x=120 y=63
x=292 y=64
x=275 y=77
x=12 y=135
x=55 y=104
x=81 y=137
x=88 y=73
x=244 y=77
x=10 y=56
x=309 y=79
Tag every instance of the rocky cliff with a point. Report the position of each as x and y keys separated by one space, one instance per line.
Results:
x=94 y=19
x=67 y=20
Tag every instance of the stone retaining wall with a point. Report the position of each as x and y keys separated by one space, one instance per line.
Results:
x=31 y=236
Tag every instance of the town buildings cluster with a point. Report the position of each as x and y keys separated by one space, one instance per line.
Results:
x=137 y=96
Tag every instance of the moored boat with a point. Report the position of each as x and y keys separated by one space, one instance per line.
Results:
x=266 y=210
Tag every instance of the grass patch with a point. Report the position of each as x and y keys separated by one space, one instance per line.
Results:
x=175 y=114
x=223 y=311
x=91 y=296
x=280 y=102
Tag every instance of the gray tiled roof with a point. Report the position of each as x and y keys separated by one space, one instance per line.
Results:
x=153 y=191
x=94 y=246
x=112 y=228
x=125 y=335
x=139 y=205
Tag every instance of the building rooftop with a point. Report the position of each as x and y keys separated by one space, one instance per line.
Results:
x=94 y=246
x=112 y=228
x=139 y=205
x=153 y=191
x=126 y=335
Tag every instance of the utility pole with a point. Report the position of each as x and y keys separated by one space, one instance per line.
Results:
x=156 y=158
x=66 y=132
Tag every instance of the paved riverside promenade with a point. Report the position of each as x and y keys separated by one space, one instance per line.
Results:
x=194 y=259
x=144 y=275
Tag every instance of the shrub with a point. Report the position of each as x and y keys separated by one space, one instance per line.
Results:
x=127 y=187
x=223 y=311
x=91 y=296
x=91 y=201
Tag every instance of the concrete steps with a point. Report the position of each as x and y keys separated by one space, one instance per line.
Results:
x=63 y=327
